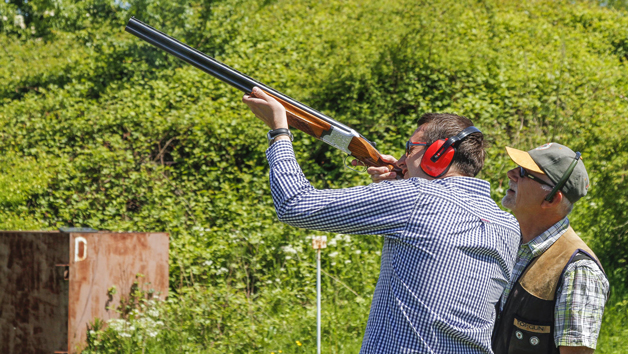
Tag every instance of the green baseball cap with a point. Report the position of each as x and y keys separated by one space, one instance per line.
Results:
x=553 y=160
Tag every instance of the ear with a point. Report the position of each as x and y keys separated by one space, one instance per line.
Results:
x=555 y=203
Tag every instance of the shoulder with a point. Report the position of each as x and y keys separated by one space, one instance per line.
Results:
x=473 y=195
x=585 y=267
x=586 y=276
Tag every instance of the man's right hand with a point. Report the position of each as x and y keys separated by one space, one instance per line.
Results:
x=379 y=174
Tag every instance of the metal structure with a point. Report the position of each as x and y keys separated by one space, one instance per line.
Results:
x=53 y=284
x=318 y=243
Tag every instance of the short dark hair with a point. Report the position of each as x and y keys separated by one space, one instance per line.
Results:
x=470 y=153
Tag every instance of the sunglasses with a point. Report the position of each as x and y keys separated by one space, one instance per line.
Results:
x=410 y=144
x=524 y=173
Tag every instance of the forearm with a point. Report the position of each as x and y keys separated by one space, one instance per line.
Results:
x=576 y=350
x=358 y=210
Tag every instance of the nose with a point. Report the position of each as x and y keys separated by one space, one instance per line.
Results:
x=402 y=161
x=513 y=174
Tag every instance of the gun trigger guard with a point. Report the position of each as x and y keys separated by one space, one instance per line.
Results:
x=351 y=168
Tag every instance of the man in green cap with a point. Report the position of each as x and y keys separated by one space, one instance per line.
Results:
x=555 y=300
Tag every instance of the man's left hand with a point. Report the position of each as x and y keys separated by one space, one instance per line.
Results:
x=266 y=108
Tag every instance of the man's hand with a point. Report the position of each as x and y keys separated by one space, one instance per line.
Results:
x=379 y=174
x=267 y=109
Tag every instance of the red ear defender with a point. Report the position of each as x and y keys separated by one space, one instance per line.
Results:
x=441 y=165
x=438 y=156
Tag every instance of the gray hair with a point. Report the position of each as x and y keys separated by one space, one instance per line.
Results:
x=565 y=204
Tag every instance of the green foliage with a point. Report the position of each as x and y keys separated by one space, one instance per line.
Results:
x=100 y=129
x=138 y=326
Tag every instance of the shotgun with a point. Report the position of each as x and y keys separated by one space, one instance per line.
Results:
x=300 y=116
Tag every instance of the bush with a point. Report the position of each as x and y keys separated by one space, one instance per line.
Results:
x=100 y=129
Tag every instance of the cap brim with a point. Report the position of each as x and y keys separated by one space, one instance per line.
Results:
x=523 y=159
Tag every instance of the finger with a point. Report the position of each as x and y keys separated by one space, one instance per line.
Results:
x=357 y=162
x=268 y=98
x=388 y=158
x=252 y=99
x=389 y=176
x=261 y=94
x=377 y=170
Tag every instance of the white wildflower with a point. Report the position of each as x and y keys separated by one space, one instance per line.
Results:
x=289 y=249
x=222 y=270
x=207 y=263
x=118 y=325
x=347 y=261
x=333 y=254
x=332 y=243
x=358 y=252
x=18 y=21
x=4 y=18
x=50 y=13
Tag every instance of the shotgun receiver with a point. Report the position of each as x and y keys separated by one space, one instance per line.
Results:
x=300 y=116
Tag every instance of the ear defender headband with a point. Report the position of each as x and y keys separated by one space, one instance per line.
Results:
x=439 y=155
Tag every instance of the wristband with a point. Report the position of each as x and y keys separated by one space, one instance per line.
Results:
x=272 y=134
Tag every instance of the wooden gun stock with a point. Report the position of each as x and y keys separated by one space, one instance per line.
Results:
x=311 y=125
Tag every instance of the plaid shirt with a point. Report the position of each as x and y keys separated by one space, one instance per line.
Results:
x=581 y=295
x=448 y=252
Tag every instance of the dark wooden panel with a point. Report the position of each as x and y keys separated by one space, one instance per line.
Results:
x=33 y=292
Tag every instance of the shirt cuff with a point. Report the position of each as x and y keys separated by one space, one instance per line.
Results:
x=576 y=341
x=279 y=150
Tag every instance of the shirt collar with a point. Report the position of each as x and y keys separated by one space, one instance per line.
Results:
x=468 y=184
x=543 y=241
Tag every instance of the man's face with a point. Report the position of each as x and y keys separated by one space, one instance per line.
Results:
x=524 y=195
x=411 y=164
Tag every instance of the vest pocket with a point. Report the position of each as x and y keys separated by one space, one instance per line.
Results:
x=530 y=338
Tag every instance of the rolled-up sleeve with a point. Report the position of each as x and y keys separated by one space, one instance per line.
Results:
x=379 y=208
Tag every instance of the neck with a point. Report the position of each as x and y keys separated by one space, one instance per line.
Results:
x=532 y=225
x=455 y=174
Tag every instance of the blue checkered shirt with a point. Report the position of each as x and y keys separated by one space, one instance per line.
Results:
x=448 y=252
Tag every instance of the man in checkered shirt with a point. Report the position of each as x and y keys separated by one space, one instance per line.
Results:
x=542 y=192
x=448 y=249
